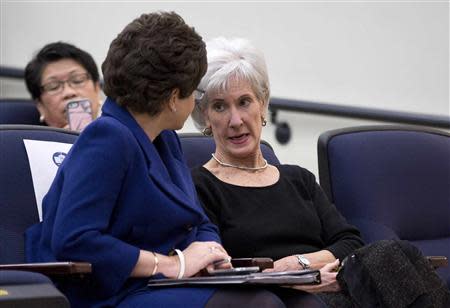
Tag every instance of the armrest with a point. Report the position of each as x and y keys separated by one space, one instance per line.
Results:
x=52 y=268
x=438 y=261
x=262 y=263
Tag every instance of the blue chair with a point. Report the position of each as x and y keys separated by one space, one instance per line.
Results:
x=18 y=207
x=19 y=111
x=197 y=149
x=18 y=211
x=392 y=182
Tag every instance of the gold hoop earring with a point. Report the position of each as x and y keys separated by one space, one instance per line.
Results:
x=207 y=131
x=263 y=122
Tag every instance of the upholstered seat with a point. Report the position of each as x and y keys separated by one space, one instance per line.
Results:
x=19 y=111
x=393 y=182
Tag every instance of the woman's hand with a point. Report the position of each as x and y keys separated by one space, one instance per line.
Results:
x=329 y=283
x=317 y=259
x=200 y=255
x=289 y=263
x=197 y=256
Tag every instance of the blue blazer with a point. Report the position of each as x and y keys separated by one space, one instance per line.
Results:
x=116 y=193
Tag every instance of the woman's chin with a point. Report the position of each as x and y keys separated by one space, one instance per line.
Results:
x=241 y=151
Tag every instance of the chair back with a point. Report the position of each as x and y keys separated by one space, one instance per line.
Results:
x=197 y=149
x=391 y=182
x=19 y=111
x=18 y=208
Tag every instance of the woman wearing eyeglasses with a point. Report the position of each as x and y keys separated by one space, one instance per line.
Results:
x=58 y=74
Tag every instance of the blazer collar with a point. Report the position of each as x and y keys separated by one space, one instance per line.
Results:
x=168 y=172
x=110 y=108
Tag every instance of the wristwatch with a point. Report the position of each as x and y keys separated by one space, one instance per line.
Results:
x=303 y=261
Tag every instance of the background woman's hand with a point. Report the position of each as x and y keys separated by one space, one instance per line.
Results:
x=328 y=276
x=200 y=255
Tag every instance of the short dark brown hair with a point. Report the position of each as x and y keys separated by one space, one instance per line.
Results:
x=155 y=54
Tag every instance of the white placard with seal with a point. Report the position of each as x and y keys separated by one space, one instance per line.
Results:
x=44 y=157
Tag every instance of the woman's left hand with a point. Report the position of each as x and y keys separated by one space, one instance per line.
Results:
x=329 y=283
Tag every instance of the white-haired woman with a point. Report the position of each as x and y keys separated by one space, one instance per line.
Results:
x=261 y=210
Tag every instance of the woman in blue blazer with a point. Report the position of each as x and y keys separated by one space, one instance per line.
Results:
x=123 y=197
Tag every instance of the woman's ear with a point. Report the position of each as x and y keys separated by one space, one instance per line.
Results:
x=97 y=88
x=263 y=109
x=206 y=116
x=173 y=99
x=40 y=107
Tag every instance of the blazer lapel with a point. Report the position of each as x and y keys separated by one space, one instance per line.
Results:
x=167 y=145
x=165 y=173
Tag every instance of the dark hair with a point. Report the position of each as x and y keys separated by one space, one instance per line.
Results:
x=51 y=53
x=155 y=54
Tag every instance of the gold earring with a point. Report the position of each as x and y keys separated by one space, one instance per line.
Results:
x=207 y=131
x=263 y=121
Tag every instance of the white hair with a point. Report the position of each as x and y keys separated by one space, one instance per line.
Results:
x=233 y=59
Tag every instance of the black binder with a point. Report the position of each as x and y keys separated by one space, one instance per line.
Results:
x=271 y=278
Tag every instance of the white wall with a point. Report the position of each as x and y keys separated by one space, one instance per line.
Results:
x=391 y=55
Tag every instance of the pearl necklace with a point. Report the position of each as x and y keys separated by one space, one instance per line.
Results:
x=240 y=167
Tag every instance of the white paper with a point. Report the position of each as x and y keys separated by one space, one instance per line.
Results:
x=44 y=158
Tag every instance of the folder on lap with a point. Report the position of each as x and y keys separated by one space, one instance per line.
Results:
x=272 y=278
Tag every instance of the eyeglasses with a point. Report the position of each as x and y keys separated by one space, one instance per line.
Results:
x=75 y=81
x=198 y=96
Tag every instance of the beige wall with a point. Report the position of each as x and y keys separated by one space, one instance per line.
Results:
x=391 y=55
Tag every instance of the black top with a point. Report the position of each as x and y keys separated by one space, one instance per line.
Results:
x=292 y=216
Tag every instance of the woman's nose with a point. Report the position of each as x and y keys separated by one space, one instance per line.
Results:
x=235 y=119
x=68 y=92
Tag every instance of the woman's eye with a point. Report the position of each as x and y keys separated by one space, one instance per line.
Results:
x=77 y=81
x=52 y=86
x=218 y=107
x=245 y=102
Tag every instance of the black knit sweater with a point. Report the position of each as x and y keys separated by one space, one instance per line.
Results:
x=292 y=216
